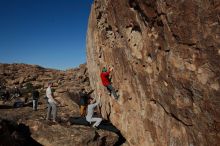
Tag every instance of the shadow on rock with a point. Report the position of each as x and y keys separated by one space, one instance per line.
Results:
x=12 y=134
x=104 y=125
x=121 y=139
x=6 y=107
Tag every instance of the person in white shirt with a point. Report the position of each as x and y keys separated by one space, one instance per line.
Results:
x=52 y=108
x=90 y=112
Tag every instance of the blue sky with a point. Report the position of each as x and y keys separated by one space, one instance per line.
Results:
x=50 y=33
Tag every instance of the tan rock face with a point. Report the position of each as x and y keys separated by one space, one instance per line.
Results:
x=166 y=63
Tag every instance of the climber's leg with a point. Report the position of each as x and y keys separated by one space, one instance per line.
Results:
x=112 y=90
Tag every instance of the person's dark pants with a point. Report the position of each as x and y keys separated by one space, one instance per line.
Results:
x=35 y=103
x=112 y=91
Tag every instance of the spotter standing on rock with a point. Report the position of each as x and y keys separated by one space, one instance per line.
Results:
x=5 y=96
x=106 y=81
x=52 y=108
x=83 y=102
x=35 y=96
x=90 y=112
x=17 y=92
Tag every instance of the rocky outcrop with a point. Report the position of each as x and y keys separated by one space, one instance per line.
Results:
x=66 y=85
x=27 y=127
x=165 y=56
x=23 y=75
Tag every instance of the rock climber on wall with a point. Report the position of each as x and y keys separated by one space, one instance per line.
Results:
x=106 y=81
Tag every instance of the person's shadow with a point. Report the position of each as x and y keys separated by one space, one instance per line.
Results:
x=24 y=132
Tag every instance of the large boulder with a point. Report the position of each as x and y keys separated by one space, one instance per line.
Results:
x=70 y=135
x=165 y=56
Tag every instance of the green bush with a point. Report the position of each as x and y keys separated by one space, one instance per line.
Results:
x=29 y=87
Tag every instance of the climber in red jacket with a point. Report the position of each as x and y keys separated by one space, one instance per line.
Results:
x=106 y=81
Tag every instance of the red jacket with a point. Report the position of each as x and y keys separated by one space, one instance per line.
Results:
x=105 y=78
